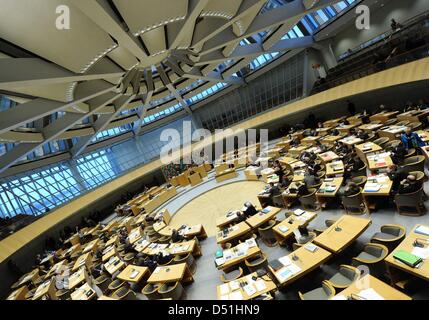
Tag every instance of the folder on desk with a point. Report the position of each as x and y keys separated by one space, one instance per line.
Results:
x=275 y=264
x=422 y=230
x=408 y=258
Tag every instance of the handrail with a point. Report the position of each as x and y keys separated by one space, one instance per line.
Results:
x=411 y=22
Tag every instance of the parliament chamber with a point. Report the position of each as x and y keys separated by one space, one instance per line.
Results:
x=319 y=190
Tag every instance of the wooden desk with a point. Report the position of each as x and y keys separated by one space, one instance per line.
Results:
x=347 y=128
x=331 y=139
x=383 y=116
x=310 y=140
x=342 y=233
x=135 y=235
x=391 y=132
x=334 y=168
x=351 y=141
x=396 y=268
x=91 y=246
x=236 y=259
x=335 y=184
x=29 y=277
x=298 y=150
x=287 y=161
x=108 y=253
x=385 y=185
x=85 y=292
x=195 y=179
x=306 y=261
x=114 y=265
x=237 y=231
x=251 y=173
x=47 y=288
x=367 y=147
x=328 y=156
x=370 y=127
x=56 y=268
x=260 y=218
x=133 y=274
x=369 y=282
x=379 y=161
x=190 y=232
x=266 y=285
x=171 y=273
x=18 y=294
x=266 y=173
x=83 y=260
x=227 y=219
x=78 y=277
x=413 y=115
x=179 y=248
x=292 y=223
x=226 y=175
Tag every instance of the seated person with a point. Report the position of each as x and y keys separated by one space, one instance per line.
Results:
x=311 y=179
x=408 y=185
x=273 y=190
x=398 y=153
x=294 y=142
x=396 y=174
x=162 y=257
x=320 y=125
x=361 y=134
x=422 y=105
x=240 y=217
x=285 y=182
x=351 y=189
x=305 y=235
x=345 y=122
x=323 y=148
x=176 y=236
x=249 y=209
x=411 y=140
x=313 y=168
x=302 y=189
x=334 y=132
x=278 y=169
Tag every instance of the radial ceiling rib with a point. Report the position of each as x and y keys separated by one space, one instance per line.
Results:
x=35 y=72
x=257 y=49
x=38 y=108
x=292 y=11
x=102 y=15
x=184 y=37
x=51 y=132
x=209 y=28
x=100 y=124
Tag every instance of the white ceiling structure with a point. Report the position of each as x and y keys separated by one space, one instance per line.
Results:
x=120 y=55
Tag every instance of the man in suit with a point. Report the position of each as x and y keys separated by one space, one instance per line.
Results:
x=398 y=153
x=408 y=185
x=396 y=174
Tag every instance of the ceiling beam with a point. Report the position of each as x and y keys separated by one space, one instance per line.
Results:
x=99 y=12
x=100 y=124
x=39 y=108
x=52 y=132
x=290 y=12
x=34 y=72
x=185 y=34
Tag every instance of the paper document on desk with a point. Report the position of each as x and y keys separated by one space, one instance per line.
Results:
x=260 y=285
x=234 y=285
x=286 y=261
x=372 y=187
x=340 y=297
x=422 y=230
x=250 y=290
x=224 y=289
x=220 y=261
x=251 y=243
x=287 y=272
x=370 y=294
x=236 y=295
x=421 y=252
